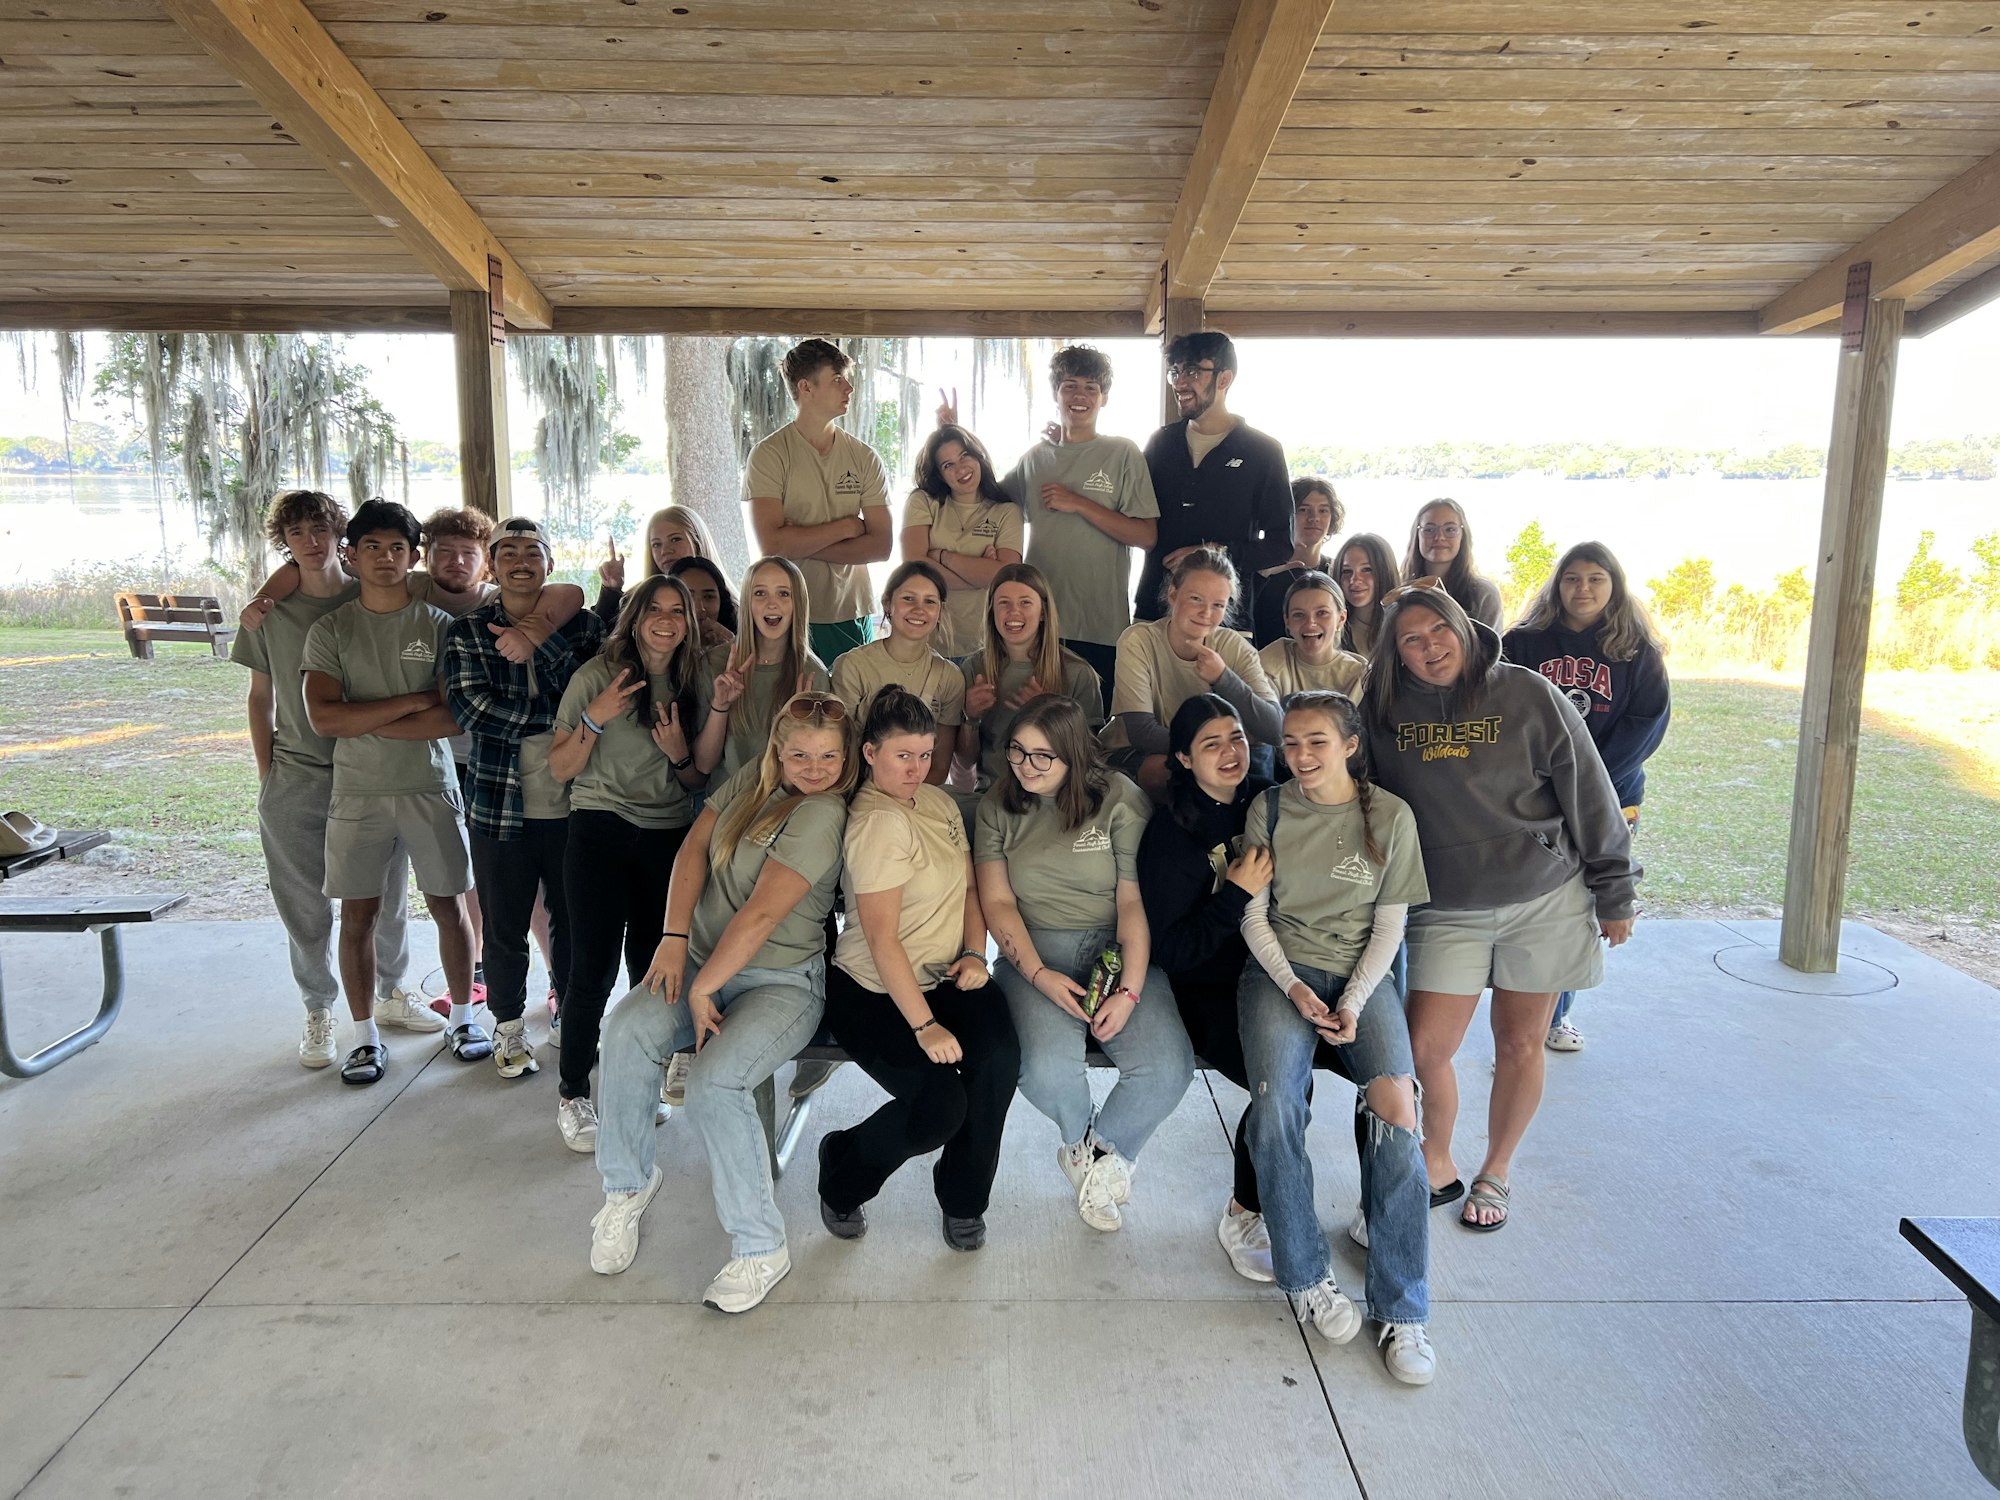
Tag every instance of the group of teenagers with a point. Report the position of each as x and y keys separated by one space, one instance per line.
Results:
x=1327 y=807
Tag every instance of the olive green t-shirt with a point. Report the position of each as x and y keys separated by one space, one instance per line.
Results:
x=1324 y=887
x=1066 y=877
x=970 y=529
x=816 y=489
x=767 y=691
x=808 y=843
x=375 y=656
x=923 y=850
x=275 y=649
x=1089 y=574
x=863 y=672
x=1290 y=673
x=1152 y=678
x=1079 y=685
x=626 y=773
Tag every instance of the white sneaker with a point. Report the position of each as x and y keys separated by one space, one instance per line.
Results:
x=1098 y=1198
x=1407 y=1351
x=1075 y=1162
x=511 y=1053
x=1357 y=1230
x=747 y=1280
x=1121 y=1175
x=410 y=1012
x=1328 y=1309
x=577 y=1120
x=614 y=1233
x=1248 y=1244
x=674 y=1092
x=1564 y=1037
x=316 y=1047
x=663 y=1111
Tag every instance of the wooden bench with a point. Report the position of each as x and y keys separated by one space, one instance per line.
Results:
x=69 y=842
x=65 y=914
x=1968 y=1251
x=147 y=618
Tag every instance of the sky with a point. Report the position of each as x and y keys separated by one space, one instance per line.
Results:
x=1367 y=393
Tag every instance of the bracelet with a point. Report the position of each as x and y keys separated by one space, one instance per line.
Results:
x=1126 y=990
x=681 y=935
x=926 y=1026
x=591 y=724
x=1036 y=977
x=968 y=953
x=678 y=766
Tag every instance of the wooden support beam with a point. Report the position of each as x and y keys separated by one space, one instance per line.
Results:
x=281 y=53
x=479 y=352
x=1857 y=467
x=803 y=321
x=1269 y=48
x=1956 y=227
x=1967 y=296
x=222 y=317
x=1180 y=315
x=1528 y=323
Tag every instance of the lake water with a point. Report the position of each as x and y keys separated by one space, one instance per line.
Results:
x=1752 y=530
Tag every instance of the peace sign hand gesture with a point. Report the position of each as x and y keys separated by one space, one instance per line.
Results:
x=730 y=683
x=611 y=572
x=668 y=735
x=947 y=412
x=608 y=704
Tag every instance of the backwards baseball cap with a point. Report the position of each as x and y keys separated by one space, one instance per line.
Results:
x=521 y=529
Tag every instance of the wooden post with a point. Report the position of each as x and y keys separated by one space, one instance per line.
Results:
x=1183 y=315
x=1857 y=465
x=480 y=349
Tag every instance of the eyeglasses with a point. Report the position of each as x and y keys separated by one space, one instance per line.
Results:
x=1449 y=532
x=1038 y=760
x=1188 y=372
x=1428 y=585
x=816 y=706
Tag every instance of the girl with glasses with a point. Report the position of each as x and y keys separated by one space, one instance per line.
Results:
x=907 y=996
x=1441 y=546
x=744 y=682
x=908 y=658
x=740 y=976
x=1056 y=849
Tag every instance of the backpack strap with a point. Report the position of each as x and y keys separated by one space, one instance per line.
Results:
x=1271 y=843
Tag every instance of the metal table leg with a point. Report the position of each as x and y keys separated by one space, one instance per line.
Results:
x=16 y=1066
x=1982 y=1397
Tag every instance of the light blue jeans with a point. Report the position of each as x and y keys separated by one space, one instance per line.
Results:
x=1154 y=1057
x=768 y=1014
x=1280 y=1050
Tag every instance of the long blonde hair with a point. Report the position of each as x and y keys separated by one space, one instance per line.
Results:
x=798 y=640
x=742 y=819
x=688 y=521
x=1046 y=655
x=1623 y=631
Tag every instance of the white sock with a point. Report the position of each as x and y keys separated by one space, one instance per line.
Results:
x=461 y=1015
x=366 y=1034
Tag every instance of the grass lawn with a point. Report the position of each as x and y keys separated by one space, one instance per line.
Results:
x=157 y=751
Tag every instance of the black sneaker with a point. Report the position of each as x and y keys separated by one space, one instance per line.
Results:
x=849 y=1226
x=964 y=1234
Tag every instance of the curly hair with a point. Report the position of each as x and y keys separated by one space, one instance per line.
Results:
x=290 y=508
x=1080 y=362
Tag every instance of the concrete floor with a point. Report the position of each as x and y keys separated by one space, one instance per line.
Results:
x=221 y=1275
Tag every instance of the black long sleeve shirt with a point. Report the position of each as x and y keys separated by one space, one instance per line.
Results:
x=1195 y=914
x=1241 y=496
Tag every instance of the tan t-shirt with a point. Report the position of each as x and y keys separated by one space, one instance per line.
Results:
x=1324 y=887
x=816 y=489
x=1066 y=878
x=808 y=843
x=1200 y=444
x=970 y=529
x=275 y=649
x=764 y=694
x=626 y=773
x=1079 y=685
x=424 y=589
x=1153 y=679
x=1290 y=673
x=924 y=851
x=860 y=674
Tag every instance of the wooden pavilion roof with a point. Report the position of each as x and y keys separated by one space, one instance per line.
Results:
x=1298 y=166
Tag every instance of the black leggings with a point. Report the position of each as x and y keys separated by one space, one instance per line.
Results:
x=508 y=873
x=615 y=876
x=1209 y=1013
x=961 y=1107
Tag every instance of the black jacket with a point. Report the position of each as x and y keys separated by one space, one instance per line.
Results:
x=1194 y=914
x=1241 y=496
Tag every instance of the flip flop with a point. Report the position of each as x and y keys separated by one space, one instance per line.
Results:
x=363 y=1065
x=1487 y=1192
x=1451 y=1192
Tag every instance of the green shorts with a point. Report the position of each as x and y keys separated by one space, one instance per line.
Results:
x=831 y=640
x=362 y=834
x=1545 y=944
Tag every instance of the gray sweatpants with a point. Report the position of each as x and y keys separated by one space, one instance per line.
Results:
x=291 y=820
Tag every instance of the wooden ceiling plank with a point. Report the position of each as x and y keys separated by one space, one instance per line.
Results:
x=417 y=106
x=887 y=322
x=875 y=79
x=1446 y=111
x=223 y=317
x=1599 y=84
x=617 y=17
x=1448 y=323
x=288 y=61
x=1513 y=52
x=1955 y=227
x=1783 y=18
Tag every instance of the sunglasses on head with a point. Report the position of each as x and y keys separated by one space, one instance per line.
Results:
x=1432 y=584
x=816 y=706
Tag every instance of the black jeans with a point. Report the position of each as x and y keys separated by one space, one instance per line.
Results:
x=1209 y=1013
x=615 y=876
x=1103 y=661
x=508 y=872
x=961 y=1107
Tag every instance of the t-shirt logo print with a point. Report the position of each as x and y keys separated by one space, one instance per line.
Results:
x=1102 y=483
x=1355 y=870
x=419 y=650
x=849 y=483
x=1092 y=841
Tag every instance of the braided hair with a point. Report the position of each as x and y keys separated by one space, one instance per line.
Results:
x=1341 y=711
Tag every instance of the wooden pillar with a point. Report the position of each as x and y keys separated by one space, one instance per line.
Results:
x=1843 y=598
x=1183 y=315
x=479 y=342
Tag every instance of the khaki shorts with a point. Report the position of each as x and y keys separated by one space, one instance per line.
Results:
x=1544 y=945
x=361 y=835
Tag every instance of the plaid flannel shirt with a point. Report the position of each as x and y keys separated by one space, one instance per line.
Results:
x=500 y=703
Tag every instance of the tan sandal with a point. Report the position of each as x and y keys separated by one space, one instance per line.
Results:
x=1487 y=1192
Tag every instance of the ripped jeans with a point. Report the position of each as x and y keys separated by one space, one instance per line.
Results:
x=1280 y=1051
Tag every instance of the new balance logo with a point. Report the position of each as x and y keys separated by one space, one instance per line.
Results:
x=1234 y=463
x=1092 y=841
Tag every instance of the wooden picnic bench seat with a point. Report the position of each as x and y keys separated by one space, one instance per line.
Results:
x=1968 y=1251
x=69 y=842
x=147 y=618
x=103 y=916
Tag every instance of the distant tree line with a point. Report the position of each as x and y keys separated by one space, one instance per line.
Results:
x=1955 y=458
